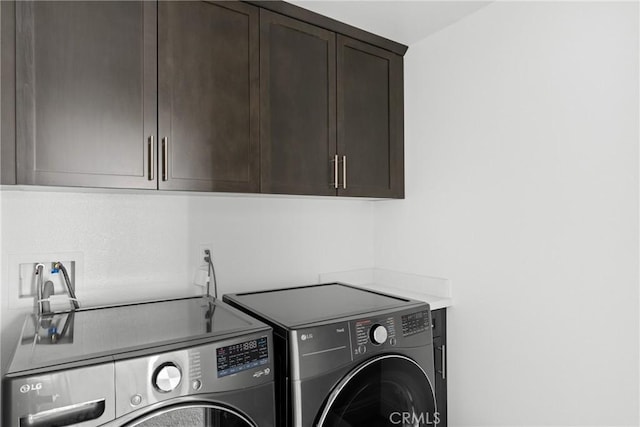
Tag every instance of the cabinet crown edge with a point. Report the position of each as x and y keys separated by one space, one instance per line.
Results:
x=330 y=24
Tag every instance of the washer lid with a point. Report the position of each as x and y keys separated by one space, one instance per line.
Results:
x=292 y=307
x=90 y=335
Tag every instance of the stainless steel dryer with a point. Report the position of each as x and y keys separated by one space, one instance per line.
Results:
x=346 y=356
x=185 y=362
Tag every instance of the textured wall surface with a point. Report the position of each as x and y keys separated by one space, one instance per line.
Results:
x=144 y=245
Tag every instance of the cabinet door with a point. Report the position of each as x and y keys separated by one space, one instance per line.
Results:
x=439 y=325
x=208 y=96
x=7 y=92
x=85 y=93
x=370 y=120
x=441 y=381
x=297 y=100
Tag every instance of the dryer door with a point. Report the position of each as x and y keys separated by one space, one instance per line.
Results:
x=389 y=390
x=193 y=414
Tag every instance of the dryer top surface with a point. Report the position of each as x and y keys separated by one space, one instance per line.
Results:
x=291 y=307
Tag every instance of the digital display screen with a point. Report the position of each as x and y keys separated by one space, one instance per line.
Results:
x=415 y=323
x=242 y=356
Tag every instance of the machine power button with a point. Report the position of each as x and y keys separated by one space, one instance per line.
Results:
x=167 y=377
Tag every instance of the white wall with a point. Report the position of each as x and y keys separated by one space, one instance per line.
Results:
x=522 y=188
x=139 y=245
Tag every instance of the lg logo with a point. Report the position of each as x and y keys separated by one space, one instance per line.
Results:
x=26 y=388
x=258 y=374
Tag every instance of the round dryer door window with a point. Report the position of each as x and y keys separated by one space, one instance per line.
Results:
x=390 y=390
x=193 y=415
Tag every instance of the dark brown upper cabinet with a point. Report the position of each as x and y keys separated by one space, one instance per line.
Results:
x=370 y=120
x=85 y=93
x=297 y=99
x=208 y=105
x=138 y=95
x=209 y=96
x=331 y=113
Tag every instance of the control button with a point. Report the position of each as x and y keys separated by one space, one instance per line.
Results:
x=378 y=334
x=392 y=341
x=167 y=377
x=196 y=385
x=362 y=349
x=136 y=399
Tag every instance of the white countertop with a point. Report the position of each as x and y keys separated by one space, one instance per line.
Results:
x=435 y=302
x=435 y=291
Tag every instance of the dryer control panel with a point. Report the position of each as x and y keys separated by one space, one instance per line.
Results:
x=414 y=323
x=321 y=348
x=376 y=331
x=383 y=333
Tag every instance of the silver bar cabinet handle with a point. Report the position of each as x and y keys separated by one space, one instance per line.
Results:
x=150 y=158
x=443 y=373
x=444 y=362
x=165 y=158
x=344 y=172
x=335 y=171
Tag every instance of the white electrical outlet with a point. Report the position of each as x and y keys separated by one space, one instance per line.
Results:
x=202 y=254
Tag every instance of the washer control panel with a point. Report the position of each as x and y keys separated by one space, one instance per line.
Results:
x=242 y=356
x=229 y=364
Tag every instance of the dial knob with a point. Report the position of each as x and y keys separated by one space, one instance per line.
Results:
x=167 y=377
x=378 y=334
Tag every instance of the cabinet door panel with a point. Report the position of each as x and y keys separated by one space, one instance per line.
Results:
x=208 y=95
x=297 y=84
x=441 y=382
x=370 y=122
x=439 y=324
x=7 y=93
x=85 y=93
